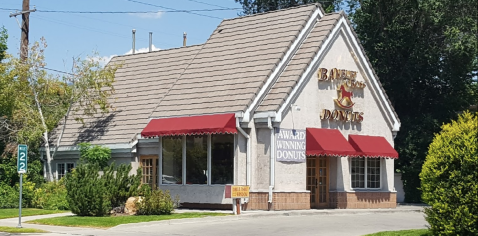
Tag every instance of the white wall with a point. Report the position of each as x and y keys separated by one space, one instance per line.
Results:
x=317 y=95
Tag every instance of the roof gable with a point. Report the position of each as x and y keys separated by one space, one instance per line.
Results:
x=291 y=82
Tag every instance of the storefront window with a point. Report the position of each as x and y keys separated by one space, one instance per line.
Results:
x=172 y=161
x=196 y=159
x=365 y=172
x=222 y=159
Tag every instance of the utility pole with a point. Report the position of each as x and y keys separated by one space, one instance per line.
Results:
x=25 y=28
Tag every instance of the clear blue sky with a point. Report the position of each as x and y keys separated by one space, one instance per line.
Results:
x=71 y=35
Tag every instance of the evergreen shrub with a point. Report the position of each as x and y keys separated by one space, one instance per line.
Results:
x=156 y=202
x=87 y=194
x=450 y=178
x=120 y=184
x=51 y=196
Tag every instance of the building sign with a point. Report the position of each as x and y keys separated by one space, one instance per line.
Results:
x=290 y=145
x=347 y=82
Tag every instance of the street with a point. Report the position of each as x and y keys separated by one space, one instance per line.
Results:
x=277 y=225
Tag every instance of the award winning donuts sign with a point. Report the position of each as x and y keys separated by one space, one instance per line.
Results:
x=347 y=84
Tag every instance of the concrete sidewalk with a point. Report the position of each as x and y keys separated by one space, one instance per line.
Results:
x=245 y=215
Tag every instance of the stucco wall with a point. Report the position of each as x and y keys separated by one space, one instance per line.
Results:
x=317 y=95
x=261 y=162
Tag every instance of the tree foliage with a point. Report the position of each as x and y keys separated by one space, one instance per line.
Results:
x=425 y=54
x=94 y=154
x=3 y=42
x=32 y=102
x=449 y=178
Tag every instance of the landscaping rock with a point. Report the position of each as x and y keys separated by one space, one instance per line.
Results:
x=130 y=206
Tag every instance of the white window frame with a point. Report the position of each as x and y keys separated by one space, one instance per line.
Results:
x=66 y=167
x=365 y=174
x=209 y=162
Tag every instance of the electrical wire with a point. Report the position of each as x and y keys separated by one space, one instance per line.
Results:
x=127 y=12
x=212 y=4
x=168 y=8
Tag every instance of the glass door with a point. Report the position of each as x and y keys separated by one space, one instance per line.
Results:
x=318 y=181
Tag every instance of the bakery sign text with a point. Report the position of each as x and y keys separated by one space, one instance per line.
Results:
x=347 y=82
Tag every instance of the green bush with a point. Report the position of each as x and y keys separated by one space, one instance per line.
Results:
x=8 y=196
x=449 y=178
x=120 y=184
x=87 y=194
x=94 y=154
x=156 y=202
x=51 y=196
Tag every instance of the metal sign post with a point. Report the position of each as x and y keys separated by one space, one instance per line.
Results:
x=21 y=168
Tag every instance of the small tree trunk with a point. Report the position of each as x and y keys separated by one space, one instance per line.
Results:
x=49 y=176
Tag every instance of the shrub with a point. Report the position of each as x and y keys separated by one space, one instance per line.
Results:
x=87 y=194
x=8 y=196
x=156 y=202
x=94 y=154
x=120 y=184
x=449 y=178
x=51 y=196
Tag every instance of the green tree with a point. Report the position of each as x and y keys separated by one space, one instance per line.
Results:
x=259 y=6
x=3 y=42
x=449 y=178
x=425 y=55
x=94 y=154
x=40 y=100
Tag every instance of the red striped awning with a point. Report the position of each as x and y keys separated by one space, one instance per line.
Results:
x=372 y=146
x=327 y=142
x=191 y=125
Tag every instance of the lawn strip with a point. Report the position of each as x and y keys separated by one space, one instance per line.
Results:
x=111 y=221
x=411 y=232
x=15 y=230
x=13 y=212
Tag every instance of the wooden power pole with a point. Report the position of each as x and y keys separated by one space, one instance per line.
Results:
x=25 y=27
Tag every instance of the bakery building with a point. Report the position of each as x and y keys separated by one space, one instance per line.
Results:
x=285 y=102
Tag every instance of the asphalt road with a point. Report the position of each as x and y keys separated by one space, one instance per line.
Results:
x=277 y=225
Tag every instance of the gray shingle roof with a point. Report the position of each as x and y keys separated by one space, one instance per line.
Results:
x=234 y=63
x=299 y=63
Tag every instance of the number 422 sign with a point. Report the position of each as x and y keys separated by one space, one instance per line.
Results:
x=22 y=158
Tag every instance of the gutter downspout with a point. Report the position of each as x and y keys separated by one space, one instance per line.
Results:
x=248 y=155
x=272 y=160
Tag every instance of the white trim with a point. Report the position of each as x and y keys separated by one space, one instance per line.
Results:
x=183 y=140
x=320 y=55
x=160 y=162
x=209 y=154
x=283 y=63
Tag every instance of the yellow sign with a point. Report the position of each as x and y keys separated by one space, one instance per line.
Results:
x=238 y=191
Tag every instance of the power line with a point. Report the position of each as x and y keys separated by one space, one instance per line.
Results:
x=212 y=5
x=59 y=71
x=128 y=12
x=168 y=8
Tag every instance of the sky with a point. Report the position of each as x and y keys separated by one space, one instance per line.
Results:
x=71 y=35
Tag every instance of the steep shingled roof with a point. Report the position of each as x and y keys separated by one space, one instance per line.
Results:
x=223 y=75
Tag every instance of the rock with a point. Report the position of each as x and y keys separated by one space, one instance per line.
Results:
x=130 y=206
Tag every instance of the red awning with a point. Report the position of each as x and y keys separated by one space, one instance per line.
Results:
x=324 y=142
x=191 y=125
x=372 y=146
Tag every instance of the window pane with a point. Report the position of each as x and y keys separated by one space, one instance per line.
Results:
x=172 y=161
x=69 y=167
x=196 y=159
x=358 y=173
x=373 y=173
x=222 y=158
x=61 y=170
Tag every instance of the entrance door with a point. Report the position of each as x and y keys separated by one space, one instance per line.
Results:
x=318 y=181
x=149 y=167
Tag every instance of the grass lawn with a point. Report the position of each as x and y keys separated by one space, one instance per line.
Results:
x=412 y=232
x=11 y=213
x=111 y=221
x=20 y=230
